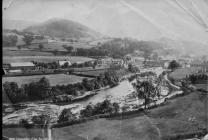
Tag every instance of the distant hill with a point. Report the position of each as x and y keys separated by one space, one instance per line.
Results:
x=63 y=28
x=17 y=24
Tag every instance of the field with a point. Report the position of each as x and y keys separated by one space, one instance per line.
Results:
x=73 y=59
x=25 y=52
x=182 y=72
x=51 y=46
x=55 y=79
x=183 y=115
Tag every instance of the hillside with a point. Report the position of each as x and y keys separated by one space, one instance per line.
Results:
x=63 y=28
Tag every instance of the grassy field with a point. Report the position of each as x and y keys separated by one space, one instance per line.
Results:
x=183 y=115
x=73 y=59
x=182 y=72
x=175 y=118
x=55 y=79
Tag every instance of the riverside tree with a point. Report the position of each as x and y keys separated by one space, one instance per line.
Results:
x=173 y=65
x=145 y=90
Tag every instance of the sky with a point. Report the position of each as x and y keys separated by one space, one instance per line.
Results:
x=143 y=19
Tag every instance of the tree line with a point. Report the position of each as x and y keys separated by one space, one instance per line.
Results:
x=198 y=78
x=55 y=65
x=42 y=89
x=27 y=92
x=108 y=78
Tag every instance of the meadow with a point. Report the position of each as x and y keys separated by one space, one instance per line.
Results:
x=182 y=115
x=183 y=72
x=54 y=79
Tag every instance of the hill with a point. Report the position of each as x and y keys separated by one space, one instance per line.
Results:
x=62 y=28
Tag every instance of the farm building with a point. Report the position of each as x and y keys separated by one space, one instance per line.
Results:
x=63 y=62
x=21 y=65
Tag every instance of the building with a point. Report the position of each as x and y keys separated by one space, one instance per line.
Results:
x=62 y=62
x=117 y=61
x=21 y=66
x=109 y=61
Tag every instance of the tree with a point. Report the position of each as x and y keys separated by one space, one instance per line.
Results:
x=44 y=86
x=87 y=84
x=25 y=123
x=66 y=65
x=116 y=107
x=66 y=115
x=145 y=90
x=28 y=39
x=173 y=65
x=40 y=47
x=88 y=111
x=41 y=119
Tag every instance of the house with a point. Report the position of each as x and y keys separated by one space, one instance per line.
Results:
x=109 y=61
x=62 y=62
x=21 y=65
x=104 y=61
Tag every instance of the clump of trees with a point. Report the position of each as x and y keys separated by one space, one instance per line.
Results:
x=66 y=115
x=32 y=91
x=198 y=78
x=41 y=119
x=132 y=68
x=50 y=65
x=28 y=39
x=173 y=65
x=40 y=46
x=100 y=108
x=9 y=40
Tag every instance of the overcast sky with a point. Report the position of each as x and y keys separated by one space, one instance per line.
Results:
x=144 y=19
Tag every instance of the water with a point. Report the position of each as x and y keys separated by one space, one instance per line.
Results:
x=114 y=94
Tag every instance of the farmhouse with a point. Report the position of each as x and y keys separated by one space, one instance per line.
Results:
x=21 y=65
